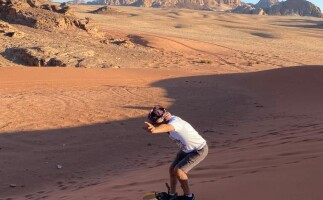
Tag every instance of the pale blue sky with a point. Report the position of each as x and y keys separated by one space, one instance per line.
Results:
x=318 y=3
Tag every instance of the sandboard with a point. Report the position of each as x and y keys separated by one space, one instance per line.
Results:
x=150 y=196
x=155 y=195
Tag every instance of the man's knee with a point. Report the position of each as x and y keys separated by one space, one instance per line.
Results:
x=180 y=174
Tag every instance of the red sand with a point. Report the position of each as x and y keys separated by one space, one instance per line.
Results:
x=264 y=130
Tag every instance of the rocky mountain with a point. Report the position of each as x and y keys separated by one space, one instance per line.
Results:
x=266 y=3
x=232 y=3
x=274 y=7
x=190 y=4
x=295 y=7
x=98 y=2
x=248 y=9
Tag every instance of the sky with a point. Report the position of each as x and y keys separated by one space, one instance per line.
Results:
x=318 y=3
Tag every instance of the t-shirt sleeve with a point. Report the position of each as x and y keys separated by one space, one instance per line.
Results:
x=176 y=123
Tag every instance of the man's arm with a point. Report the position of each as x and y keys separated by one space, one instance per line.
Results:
x=163 y=128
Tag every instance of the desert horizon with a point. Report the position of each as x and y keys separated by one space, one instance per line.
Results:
x=71 y=125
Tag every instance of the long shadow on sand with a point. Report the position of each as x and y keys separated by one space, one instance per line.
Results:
x=138 y=40
x=306 y=23
x=29 y=159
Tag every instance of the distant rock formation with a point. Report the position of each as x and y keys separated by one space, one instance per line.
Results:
x=102 y=10
x=143 y=3
x=105 y=10
x=248 y=9
x=295 y=7
x=266 y=3
x=233 y=3
x=190 y=4
x=274 y=7
x=97 y=2
x=120 y=2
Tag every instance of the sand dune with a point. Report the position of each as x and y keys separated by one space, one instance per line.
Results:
x=251 y=42
x=264 y=130
x=251 y=85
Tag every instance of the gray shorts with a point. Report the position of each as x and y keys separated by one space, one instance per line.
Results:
x=186 y=161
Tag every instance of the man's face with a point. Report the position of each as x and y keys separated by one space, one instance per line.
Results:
x=160 y=121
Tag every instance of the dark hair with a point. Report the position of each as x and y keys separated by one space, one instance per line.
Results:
x=157 y=114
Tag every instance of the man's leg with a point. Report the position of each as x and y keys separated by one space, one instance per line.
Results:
x=183 y=179
x=172 y=173
x=186 y=164
x=173 y=180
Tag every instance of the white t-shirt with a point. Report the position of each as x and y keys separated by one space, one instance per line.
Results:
x=185 y=136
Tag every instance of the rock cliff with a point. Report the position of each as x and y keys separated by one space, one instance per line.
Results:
x=266 y=3
x=190 y=4
x=295 y=7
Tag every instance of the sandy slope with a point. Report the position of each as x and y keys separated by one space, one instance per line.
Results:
x=262 y=120
x=249 y=40
x=264 y=130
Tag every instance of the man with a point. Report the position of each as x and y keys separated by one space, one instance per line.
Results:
x=193 y=148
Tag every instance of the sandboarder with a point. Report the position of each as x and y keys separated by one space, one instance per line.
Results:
x=193 y=148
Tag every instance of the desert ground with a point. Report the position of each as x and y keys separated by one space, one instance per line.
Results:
x=250 y=85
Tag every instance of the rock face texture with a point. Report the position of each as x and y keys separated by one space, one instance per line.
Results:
x=42 y=16
x=274 y=7
x=38 y=33
x=103 y=10
x=47 y=56
x=35 y=56
x=191 y=4
x=35 y=34
x=295 y=7
x=9 y=31
x=266 y=3
x=248 y=9
x=97 y=2
x=120 y=2
x=232 y=3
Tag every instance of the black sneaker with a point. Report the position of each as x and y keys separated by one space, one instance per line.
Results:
x=165 y=196
x=184 y=197
x=174 y=197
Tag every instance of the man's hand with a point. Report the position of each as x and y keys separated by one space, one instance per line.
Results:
x=150 y=128
x=161 y=128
